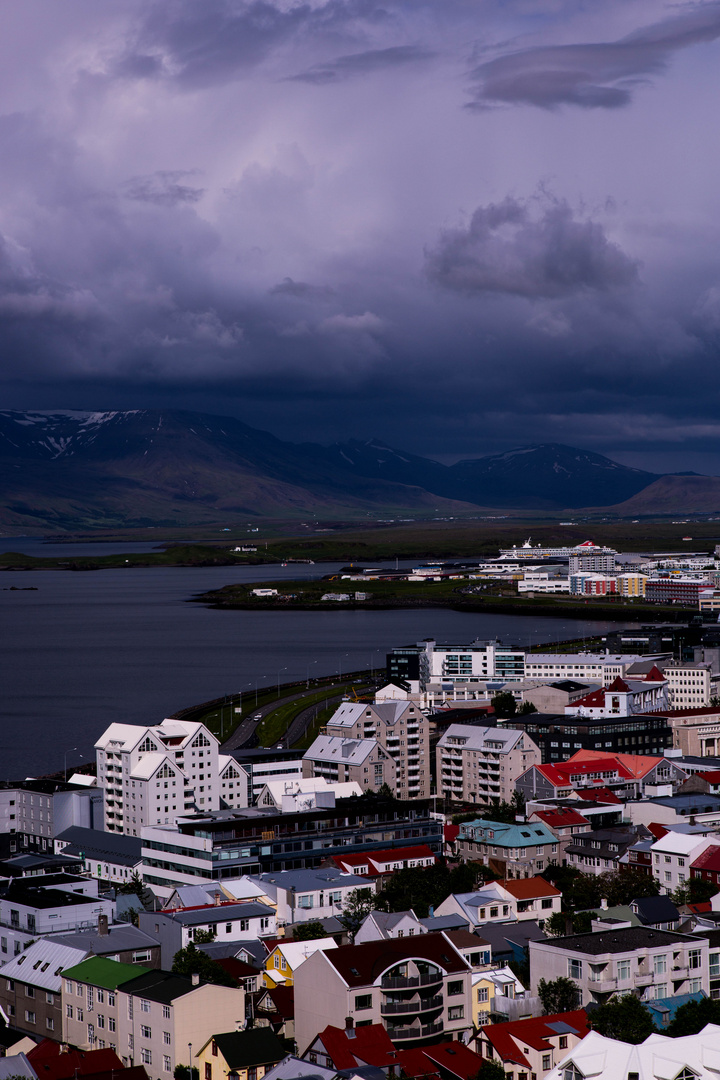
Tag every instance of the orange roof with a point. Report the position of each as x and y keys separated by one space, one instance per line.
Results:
x=529 y=888
x=637 y=765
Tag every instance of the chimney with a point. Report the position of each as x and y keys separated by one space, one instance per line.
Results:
x=604 y=903
x=103 y=929
x=195 y=978
x=349 y=1027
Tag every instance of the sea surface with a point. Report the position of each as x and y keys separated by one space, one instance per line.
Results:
x=91 y=648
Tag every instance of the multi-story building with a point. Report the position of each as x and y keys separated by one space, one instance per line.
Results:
x=559 y=736
x=586 y=583
x=690 y=686
x=338 y=759
x=609 y=1059
x=520 y=850
x=225 y=921
x=675 y=590
x=31 y=985
x=400 y=729
x=427 y=662
x=599 y=851
x=564 y=823
x=308 y=895
x=151 y=775
x=657 y=963
x=629 y=776
x=418 y=988
x=673 y=855
x=630 y=584
x=110 y=857
x=152 y=1018
x=481 y=764
x=516 y=900
x=624 y=697
x=230 y=843
x=33 y=812
x=27 y=911
x=602 y=562
x=601 y=668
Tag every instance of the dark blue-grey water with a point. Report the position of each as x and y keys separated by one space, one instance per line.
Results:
x=91 y=648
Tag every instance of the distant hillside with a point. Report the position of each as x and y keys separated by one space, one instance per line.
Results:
x=80 y=470
x=675 y=495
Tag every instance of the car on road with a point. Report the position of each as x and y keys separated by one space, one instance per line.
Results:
x=257 y=716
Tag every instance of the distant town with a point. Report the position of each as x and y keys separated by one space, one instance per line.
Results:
x=493 y=861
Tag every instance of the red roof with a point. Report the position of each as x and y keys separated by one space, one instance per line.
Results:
x=654 y=675
x=709 y=859
x=532 y=1032
x=637 y=765
x=562 y=816
x=657 y=829
x=454 y=1058
x=47 y=1061
x=370 y=1045
x=712 y=776
x=375 y=859
x=594 y=700
x=577 y=765
x=529 y=888
x=618 y=685
x=451 y=833
x=600 y=794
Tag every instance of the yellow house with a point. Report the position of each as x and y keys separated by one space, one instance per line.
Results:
x=240 y=1055
x=287 y=957
x=488 y=987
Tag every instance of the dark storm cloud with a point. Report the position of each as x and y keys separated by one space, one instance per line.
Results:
x=514 y=247
x=302 y=290
x=162 y=188
x=596 y=75
x=363 y=63
x=201 y=45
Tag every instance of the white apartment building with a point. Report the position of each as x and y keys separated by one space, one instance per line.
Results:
x=596 y=667
x=151 y=775
x=400 y=729
x=479 y=764
x=690 y=685
x=672 y=855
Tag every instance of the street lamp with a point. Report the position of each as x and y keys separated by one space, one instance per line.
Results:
x=278 y=680
x=307 y=673
x=70 y=751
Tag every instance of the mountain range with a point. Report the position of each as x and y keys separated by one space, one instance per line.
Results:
x=74 y=470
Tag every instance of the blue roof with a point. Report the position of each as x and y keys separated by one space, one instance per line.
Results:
x=517 y=835
x=663 y=1010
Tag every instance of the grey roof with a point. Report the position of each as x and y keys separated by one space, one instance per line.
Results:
x=308 y=880
x=120 y=938
x=108 y=847
x=435 y=923
x=253 y=948
x=227 y=912
x=337 y=748
x=17 y=1065
x=228 y=950
x=41 y=964
x=294 y=1068
x=625 y=939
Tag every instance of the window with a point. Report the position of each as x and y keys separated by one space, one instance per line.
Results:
x=208 y=1071
x=305 y=901
x=167 y=1064
x=694 y=986
x=363 y=1001
x=145 y=1031
x=714 y=963
x=571 y=1072
x=69 y=1011
x=146 y=1056
x=111 y=1023
x=546 y=902
x=546 y=1062
x=101 y=1020
x=80 y=1013
x=623 y=970
x=50 y=1023
x=454 y=988
x=50 y=999
x=694 y=959
x=144 y=1005
x=166 y=1012
x=29 y=1017
x=660 y=965
x=563 y=1042
x=456 y=1012
x=111 y=999
x=483 y=994
x=574 y=968
x=69 y=986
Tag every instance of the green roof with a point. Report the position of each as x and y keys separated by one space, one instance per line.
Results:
x=98 y=971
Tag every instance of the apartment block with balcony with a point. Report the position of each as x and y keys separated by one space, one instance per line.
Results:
x=339 y=759
x=479 y=764
x=400 y=729
x=418 y=988
x=657 y=963
x=28 y=911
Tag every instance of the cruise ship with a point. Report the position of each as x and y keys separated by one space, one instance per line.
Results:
x=527 y=551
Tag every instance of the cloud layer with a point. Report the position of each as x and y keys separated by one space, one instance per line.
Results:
x=287 y=211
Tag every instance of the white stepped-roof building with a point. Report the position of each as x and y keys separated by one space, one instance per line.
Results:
x=689 y=1057
x=151 y=775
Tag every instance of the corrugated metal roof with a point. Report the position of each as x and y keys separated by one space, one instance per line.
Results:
x=42 y=963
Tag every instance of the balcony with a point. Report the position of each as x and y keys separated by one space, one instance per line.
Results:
x=392 y=1008
x=644 y=978
x=681 y=971
x=410 y=1034
x=399 y=982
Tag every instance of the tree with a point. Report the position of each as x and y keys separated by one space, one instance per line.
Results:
x=204 y=937
x=526 y=708
x=309 y=930
x=623 y=1018
x=692 y=1017
x=504 y=705
x=134 y=885
x=694 y=891
x=622 y=886
x=560 y=995
x=490 y=1070
x=193 y=961
x=182 y=1072
x=561 y=923
x=360 y=902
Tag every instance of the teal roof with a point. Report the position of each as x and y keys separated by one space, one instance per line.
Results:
x=517 y=835
x=98 y=971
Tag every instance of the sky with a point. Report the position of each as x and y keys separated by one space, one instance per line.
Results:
x=459 y=226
